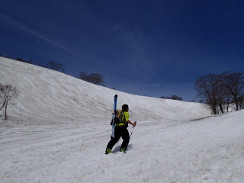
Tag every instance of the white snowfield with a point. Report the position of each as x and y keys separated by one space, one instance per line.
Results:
x=58 y=129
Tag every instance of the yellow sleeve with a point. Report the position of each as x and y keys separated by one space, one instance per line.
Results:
x=127 y=116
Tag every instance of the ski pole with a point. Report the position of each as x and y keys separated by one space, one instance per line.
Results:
x=132 y=130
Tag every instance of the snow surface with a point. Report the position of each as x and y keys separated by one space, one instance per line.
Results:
x=58 y=129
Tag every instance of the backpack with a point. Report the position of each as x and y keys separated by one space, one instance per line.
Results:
x=119 y=117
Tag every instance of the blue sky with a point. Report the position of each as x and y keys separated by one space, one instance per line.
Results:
x=154 y=48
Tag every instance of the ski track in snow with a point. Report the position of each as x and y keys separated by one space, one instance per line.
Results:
x=59 y=127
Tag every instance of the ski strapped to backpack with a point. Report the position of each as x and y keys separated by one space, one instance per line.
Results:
x=114 y=114
x=118 y=118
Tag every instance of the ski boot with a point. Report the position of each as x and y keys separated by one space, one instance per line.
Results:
x=123 y=149
x=108 y=151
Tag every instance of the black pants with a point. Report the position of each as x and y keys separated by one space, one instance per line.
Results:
x=120 y=131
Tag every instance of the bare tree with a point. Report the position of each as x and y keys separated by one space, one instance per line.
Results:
x=222 y=95
x=55 y=66
x=7 y=93
x=175 y=97
x=94 y=78
x=23 y=60
x=241 y=104
x=2 y=97
x=84 y=76
x=221 y=90
x=207 y=88
x=233 y=82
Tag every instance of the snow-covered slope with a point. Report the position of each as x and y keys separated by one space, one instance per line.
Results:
x=51 y=96
x=58 y=130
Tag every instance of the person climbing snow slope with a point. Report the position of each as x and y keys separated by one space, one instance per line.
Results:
x=121 y=125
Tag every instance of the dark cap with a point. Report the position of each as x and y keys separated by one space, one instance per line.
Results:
x=125 y=107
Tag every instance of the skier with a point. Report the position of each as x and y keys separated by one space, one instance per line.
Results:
x=121 y=131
